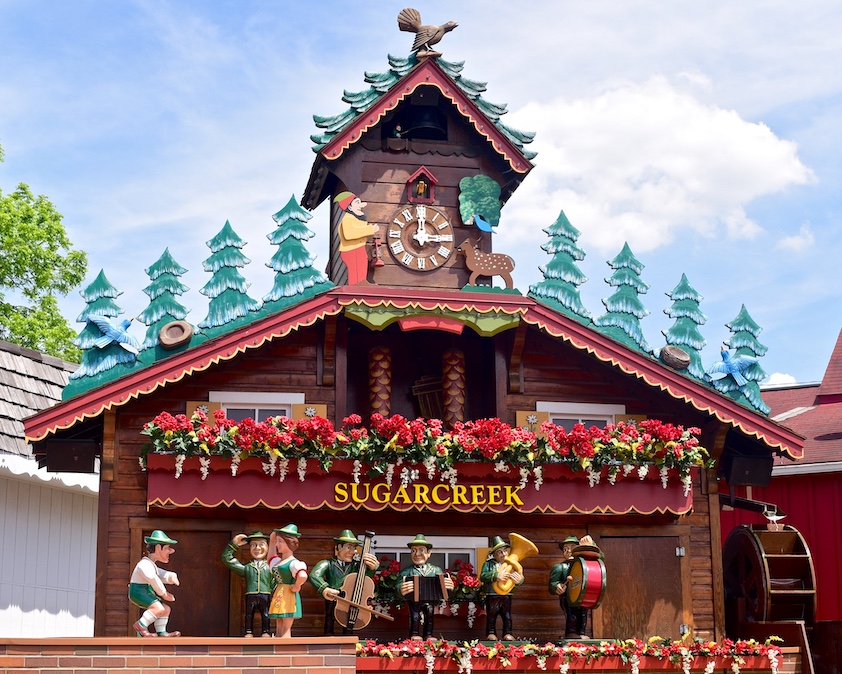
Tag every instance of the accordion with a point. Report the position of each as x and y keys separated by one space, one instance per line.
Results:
x=428 y=588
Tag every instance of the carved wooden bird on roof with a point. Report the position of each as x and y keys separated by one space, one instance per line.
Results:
x=409 y=19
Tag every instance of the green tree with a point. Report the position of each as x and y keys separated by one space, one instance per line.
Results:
x=99 y=300
x=744 y=332
x=292 y=261
x=684 y=333
x=479 y=195
x=227 y=287
x=38 y=263
x=163 y=306
x=562 y=276
x=622 y=320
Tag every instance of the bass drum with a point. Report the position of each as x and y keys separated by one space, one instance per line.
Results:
x=587 y=588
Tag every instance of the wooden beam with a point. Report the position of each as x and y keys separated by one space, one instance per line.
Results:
x=341 y=370
x=108 y=463
x=501 y=397
x=516 y=360
x=327 y=354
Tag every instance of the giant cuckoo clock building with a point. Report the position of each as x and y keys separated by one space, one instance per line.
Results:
x=406 y=391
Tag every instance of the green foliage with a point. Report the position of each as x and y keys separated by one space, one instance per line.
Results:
x=684 y=333
x=38 y=263
x=479 y=195
x=624 y=308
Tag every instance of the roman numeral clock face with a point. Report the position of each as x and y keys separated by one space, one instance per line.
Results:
x=420 y=237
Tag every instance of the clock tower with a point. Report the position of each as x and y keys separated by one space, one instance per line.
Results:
x=405 y=148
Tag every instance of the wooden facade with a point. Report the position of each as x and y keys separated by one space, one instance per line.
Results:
x=513 y=354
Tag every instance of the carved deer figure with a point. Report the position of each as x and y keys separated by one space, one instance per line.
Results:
x=486 y=264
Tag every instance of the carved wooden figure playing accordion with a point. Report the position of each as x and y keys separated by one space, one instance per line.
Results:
x=423 y=585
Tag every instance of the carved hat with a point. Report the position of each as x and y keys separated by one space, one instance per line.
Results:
x=498 y=542
x=570 y=540
x=344 y=199
x=257 y=536
x=158 y=537
x=289 y=530
x=347 y=536
x=420 y=540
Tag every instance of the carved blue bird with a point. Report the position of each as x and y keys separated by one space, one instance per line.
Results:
x=115 y=332
x=483 y=225
x=734 y=366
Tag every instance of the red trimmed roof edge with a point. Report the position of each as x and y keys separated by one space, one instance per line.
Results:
x=121 y=391
x=428 y=72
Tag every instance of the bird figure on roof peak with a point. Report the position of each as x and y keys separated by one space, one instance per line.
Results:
x=409 y=20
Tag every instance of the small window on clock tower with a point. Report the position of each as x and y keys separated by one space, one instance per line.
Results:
x=421 y=187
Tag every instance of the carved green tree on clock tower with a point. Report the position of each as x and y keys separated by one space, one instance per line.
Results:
x=163 y=306
x=624 y=308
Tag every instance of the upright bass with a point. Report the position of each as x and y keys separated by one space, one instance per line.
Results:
x=352 y=610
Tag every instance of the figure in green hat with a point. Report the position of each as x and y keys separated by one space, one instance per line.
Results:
x=290 y=574
x=576 y=618
x=259 y=579
x=329 y=574
x=353 y=234
x=498 y=604
x=420 y=612
x=146 y=586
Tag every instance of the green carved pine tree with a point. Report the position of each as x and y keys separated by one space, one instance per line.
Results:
x=99 y=300
x=292 y=261
x=163 y=306
x=227 y=287
x=684 y=333
x=624 y=308
x=744 y=332
x=562 y=277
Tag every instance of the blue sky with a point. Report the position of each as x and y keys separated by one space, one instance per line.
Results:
x=707 y=135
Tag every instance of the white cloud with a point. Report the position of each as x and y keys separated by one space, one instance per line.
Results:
x=779 y=379
x=798 y=242
x=646 y=162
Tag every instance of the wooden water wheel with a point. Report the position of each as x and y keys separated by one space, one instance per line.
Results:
x=769 y=577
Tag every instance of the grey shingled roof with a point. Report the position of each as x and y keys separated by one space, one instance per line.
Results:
x=30 y=381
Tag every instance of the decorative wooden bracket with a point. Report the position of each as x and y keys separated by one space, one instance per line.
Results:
x=327 y=369
x=516 y=360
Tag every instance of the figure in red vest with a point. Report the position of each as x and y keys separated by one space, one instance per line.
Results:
x=354 y=231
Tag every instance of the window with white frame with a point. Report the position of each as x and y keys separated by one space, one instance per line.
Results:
x=239 y=405
x=569 y=414
x=446 y=549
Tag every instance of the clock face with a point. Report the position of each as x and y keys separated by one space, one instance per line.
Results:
x=420 y=237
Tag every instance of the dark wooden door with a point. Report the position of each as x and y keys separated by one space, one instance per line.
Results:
x=644 y=590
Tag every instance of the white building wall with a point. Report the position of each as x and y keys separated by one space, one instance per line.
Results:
x=47 y=551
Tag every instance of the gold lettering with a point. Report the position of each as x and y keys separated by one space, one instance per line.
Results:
x=494 y=495
x=375 y=493
x=422 y=493
x=477 y=494
x=459 y=494
x=401 y=495
x=355 y=495
x=340 y=492
x=511 y=495
x=438 y=500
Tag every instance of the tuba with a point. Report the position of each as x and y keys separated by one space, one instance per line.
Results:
x=521 y=548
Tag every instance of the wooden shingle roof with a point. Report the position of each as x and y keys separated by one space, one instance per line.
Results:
x=30 y=381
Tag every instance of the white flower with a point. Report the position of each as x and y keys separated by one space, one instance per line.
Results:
x=430 y=661
x=235 y=464
x=302 y=468
x=464 y=662
x=472 y=613
x=430 y=465
x=686 y=660
x=773 y=661
x=664 y=472
x=269 y=466
x=710 y=666
x=593 y=476
x=532 y=419
x=204 y=466
x=355 y=473
x=449 y=475
x=627 y=468
x=735 y=667
x=541 y=661
x=501 y=467
x=524 y=476
x=309 y=411
x=564 y=667
x=687 y=482
x=635 y=664
x=179 y=462
x=142 y=463
x=538 y=472
x=408 y=476
x=203 y=408
x=283 y=469
x=613 y=472
x=390 y=473
x=454 y=609
x=642 y=471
